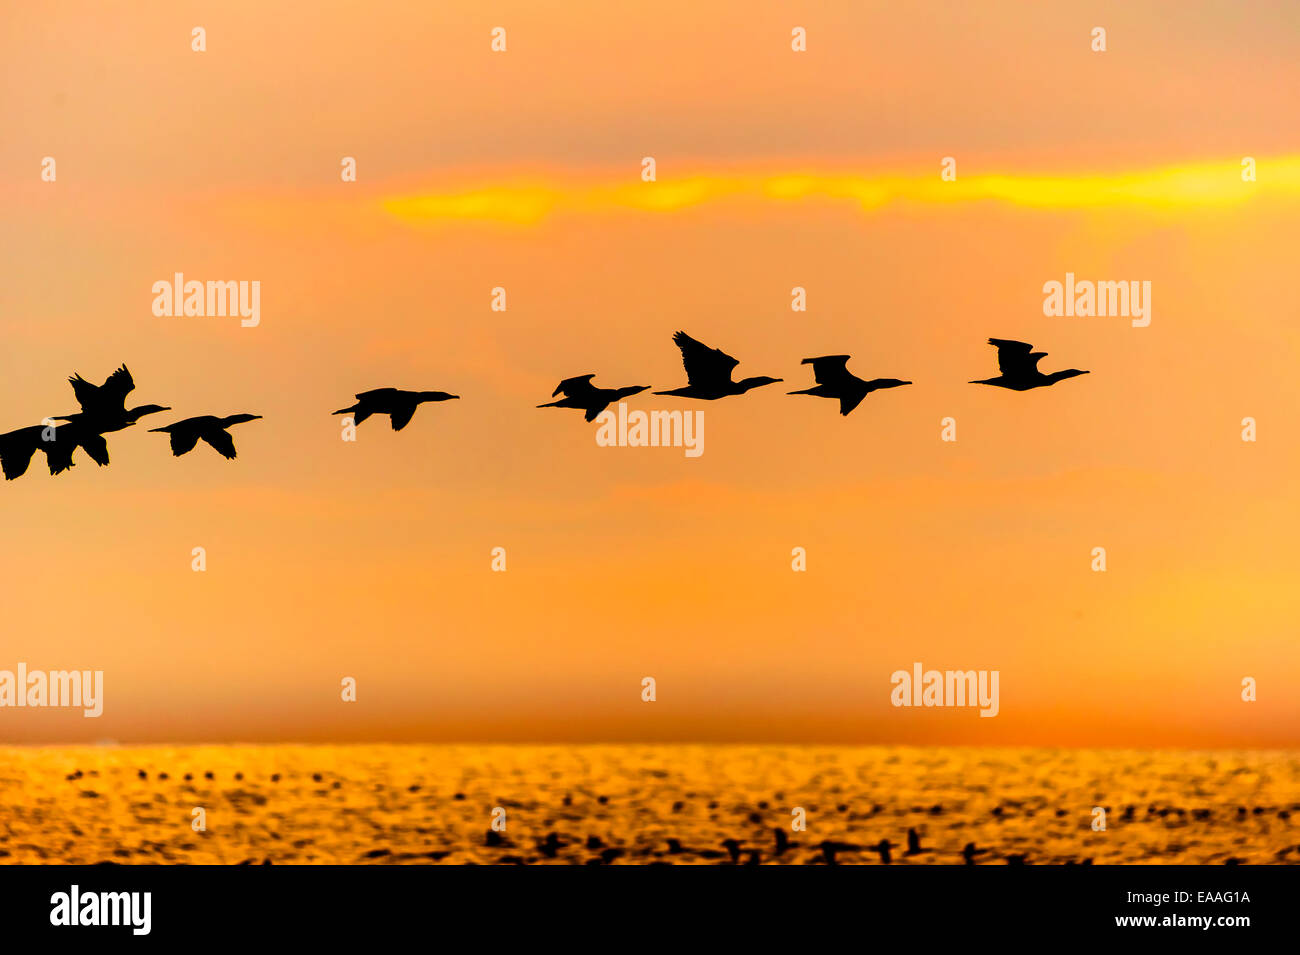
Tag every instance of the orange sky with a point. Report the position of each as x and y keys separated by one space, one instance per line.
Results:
x=775 y=169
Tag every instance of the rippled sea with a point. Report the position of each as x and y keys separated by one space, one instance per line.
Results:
x=623 y=805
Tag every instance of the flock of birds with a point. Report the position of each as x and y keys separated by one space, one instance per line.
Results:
x=708 y=378
x=103 y=411
x=733 y=850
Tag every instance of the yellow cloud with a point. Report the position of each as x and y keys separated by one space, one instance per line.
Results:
x=528 y=202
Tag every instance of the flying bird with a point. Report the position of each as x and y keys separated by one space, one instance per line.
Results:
x=834 y=380
x=733 y=848
x=397 y=404
x=69 y=437
x=580 y=393
x=1018 y=363
x=103 y=407
x=970 y=852
x=708 y=372
x=830 y=849
x=17 y=448
x=914 y=844
x=783 y=842
x=185 y=434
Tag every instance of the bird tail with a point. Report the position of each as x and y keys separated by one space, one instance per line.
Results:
x=553 y=404
x=358 y=415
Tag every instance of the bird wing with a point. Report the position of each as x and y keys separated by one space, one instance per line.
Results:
x=84 y=391
x=112 y=393
x=704 y=365
x=1016 y=357
x=851 y=401
x=95 y=446
x=16 y=450
x=830 y=369
x=58 y=453
x=578 y=387
x=183 y=439
x=14 y=461
x=402 y=416
x=220 y=440
x=118 y=385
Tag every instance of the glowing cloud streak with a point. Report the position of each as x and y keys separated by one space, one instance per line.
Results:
x=530 y=201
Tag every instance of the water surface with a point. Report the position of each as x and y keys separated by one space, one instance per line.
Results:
x=386 y=804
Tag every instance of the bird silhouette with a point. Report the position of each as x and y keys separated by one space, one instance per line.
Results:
x=58 y=443
x=69 y=437
x=733 y=849
x=970 y=852
x=103 y=407
x=580 y=393
x=186 y=433
x=883 y=847
x=834 y=380
x=708 y=372
x=830 y=849
x=783 y=842
x=552 y=845
x=1018 y=363
x=397 y=404
x=914 y=844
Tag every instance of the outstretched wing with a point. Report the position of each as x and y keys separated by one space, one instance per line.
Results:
x=95 y=446
x=58 y=453
x=183 y=440
x=16 y=450
x=118 y=386
x=830 y=369
x=112 y=393
x=222 y=441
x=402 y=416
x=85 y=392
x=851 y=401
x=1016 y=358
x=704 y=365
x=578 y=387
